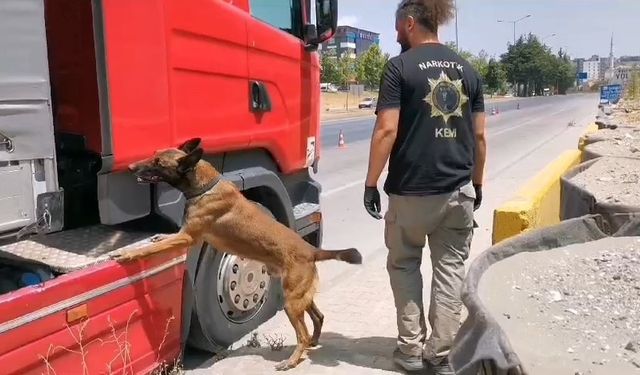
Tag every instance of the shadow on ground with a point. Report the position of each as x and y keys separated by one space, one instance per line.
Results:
x=335 y=349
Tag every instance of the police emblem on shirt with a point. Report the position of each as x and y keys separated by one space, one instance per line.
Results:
x=446 y=97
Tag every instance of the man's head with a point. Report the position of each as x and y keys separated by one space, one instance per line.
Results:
x=417 y=20
x=173 y=166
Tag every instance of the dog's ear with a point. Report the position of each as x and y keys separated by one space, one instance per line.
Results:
x=190 y=145
x=189 y=161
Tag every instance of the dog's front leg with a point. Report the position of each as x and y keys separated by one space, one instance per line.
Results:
x=172 y=242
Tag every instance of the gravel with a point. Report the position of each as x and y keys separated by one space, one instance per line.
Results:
x=574 y=309
x=628 y=145
x=611 y=180
x=619 y=134
x=629 y=113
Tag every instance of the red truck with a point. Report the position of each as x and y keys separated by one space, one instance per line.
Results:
x=89 y=86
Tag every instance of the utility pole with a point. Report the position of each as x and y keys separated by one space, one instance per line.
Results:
x=455 y=3
x=514 y=22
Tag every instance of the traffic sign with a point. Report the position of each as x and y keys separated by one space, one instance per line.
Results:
x=610 y=93
x=582 y=75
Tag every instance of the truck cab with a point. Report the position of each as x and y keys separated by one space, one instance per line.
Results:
x=90 y=86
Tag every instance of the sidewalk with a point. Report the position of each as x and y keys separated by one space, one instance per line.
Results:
x=358 y=336
x=359 y=330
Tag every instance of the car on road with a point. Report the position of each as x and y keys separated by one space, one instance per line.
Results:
x=368 y=103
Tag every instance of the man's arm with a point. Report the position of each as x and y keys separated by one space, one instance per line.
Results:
x=479 y=125
x=384 y=136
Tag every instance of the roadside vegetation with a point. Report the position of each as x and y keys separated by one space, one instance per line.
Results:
x=529 y=65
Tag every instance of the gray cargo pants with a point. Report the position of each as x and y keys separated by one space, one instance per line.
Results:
x=447 y=221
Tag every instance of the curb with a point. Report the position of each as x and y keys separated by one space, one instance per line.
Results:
x=591 y=129
x=537 y=203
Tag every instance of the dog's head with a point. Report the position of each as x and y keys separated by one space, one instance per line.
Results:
x=173 y=165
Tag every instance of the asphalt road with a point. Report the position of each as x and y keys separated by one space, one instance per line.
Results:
x=359 y=129
x=520 y=142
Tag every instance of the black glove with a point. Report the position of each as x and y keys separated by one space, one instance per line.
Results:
x=372 y=201
x=478 y=201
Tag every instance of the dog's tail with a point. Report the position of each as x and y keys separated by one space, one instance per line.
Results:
x=351 y=256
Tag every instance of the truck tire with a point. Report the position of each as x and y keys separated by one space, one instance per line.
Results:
x=233 y=296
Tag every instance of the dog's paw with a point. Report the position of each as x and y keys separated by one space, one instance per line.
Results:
x=158 y=238
x=120 y=257
x=285 y=365
x=123 y=257
x=314 y=345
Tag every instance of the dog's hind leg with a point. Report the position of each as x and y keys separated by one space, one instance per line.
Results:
x=295 y=312
x=317 y=318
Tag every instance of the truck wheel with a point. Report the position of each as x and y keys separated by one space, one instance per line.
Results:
x=233 y=296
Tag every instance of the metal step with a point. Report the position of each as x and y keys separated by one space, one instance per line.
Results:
x=305 y=209
x=76 y=249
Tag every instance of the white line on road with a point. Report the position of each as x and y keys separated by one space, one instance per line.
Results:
x=347 y=186
x=523 y=124
x=347 y=120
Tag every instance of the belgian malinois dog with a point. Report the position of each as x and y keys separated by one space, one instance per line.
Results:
x=218 y=213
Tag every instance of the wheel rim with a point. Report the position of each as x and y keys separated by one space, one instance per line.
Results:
x=243 y=285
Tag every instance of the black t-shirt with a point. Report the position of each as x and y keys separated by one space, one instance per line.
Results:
x=436 y=91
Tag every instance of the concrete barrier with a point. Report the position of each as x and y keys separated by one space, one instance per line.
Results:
x=590 y=130
x=537 y=204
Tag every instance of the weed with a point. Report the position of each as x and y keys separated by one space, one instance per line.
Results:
x=276 y=343
x=254 y=341
x=122 y=351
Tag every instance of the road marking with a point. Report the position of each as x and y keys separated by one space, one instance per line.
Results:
x=347 y=120
x=523 y=124
x=347 y=186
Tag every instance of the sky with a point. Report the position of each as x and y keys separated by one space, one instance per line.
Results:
x=582 y=27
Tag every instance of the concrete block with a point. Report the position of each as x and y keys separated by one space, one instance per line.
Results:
x=537 y=204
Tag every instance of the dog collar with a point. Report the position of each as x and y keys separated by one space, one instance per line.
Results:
x=204 y=190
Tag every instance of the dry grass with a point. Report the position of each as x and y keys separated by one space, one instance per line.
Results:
x=337 y=101
x=122 y=354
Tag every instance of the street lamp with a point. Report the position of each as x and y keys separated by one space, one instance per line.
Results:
x=548 y=36
x=514 y=25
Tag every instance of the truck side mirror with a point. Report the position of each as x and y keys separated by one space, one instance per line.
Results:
x=326 y=23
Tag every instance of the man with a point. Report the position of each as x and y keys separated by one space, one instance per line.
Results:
x=431 y=127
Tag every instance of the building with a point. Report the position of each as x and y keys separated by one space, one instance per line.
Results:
x=592 y=68
x=349 y=42
x=633 y=61
x=579 y=65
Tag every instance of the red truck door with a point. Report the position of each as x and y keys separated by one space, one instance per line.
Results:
x=177 y=69
x=280 y=66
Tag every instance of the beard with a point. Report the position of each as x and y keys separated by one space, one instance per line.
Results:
x=404 y=47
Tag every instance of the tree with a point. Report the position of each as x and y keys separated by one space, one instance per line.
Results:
x=331 y=71
x=531 y=65
x=370 y=65
x=495 y=77
x=347 y=67
x=478 y=62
